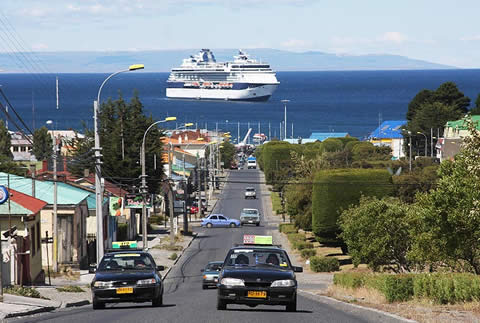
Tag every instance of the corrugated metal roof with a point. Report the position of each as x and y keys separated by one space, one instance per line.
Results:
x=390 y=129
x=27 y=201
x=67 y=194
x=462 y=125
x=15 y=209
x=321 y=136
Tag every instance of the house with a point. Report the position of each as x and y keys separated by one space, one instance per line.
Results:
x=72 y=211
x=21 y=147
x=389 y=133
x=22 y=212
x=453 y=134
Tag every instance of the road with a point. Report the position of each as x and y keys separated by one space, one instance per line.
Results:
x=184 y=299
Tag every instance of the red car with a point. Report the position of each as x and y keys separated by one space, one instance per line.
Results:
x=193 y=209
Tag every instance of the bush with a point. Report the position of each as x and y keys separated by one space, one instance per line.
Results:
x=287 y=228
x=295 y=237
x=398 y=288
x=349 y=280
x=307 y=253
x=336 y=190
x=300 y=245
x=22 y=291
x=173 y=256
x=70 y=289
x=324 y=264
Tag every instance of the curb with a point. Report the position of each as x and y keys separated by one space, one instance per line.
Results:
x=75 y=304
x=334 y=300
x=30 y=312
x=178 y=258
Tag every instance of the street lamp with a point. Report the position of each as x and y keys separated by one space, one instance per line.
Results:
x=98 y=163
x=144 y=182
x=420 y=133
x=285 y=118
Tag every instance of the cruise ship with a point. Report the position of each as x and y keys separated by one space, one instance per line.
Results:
x=202 y=77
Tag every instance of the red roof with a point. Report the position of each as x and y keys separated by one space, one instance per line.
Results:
x=29 y=202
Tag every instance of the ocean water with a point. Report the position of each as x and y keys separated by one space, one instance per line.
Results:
x=343 y=101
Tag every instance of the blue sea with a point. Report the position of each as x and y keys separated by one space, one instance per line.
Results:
x=343 y=101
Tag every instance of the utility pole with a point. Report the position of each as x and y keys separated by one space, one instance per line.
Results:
x=238 y=133
x=199 y=186
x=431 y=143
x=33 y=171
x=185 y=184
x=410 y=147
x=269 y=132
x=285 y=117
x=144 y=200
x=172 y=196
x=205 y=183
x=98 y=187
x=55 y=226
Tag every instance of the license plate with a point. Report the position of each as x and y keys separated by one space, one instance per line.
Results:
x=250 y=221
x=257 y=294
x=125 y=290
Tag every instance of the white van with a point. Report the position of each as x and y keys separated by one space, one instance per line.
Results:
x=252 y=163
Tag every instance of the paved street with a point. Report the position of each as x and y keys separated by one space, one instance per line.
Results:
x=184 y=299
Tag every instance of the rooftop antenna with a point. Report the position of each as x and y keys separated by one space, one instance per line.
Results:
x=57 y=91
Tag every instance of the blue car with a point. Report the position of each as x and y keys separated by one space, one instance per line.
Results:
x=220 y=220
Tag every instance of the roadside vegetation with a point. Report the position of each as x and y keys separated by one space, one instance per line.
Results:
x=70 y=289
x=23 y=291
x=408 y=235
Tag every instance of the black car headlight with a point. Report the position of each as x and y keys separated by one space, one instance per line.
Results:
x=150 y=281
x=102 y=284
x=232 y=282
x=283 y=283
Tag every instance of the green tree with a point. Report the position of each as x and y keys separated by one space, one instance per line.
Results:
x=227 y=153
x=476 y=110
x=376 y=233
x=42 y=144
x=422 y=97
x=446 y=221
x=5 y=141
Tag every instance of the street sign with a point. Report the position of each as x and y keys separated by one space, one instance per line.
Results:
x=3 y=194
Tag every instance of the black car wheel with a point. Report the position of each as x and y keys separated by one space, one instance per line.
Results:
x=258 y=224
x=221 y=304
x=232 y=225
x=209 y=225
x=156 y=302
x=292 y=307
x=204 y=287
x=98 y=305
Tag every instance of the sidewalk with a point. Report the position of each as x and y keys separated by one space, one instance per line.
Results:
x=158 y=246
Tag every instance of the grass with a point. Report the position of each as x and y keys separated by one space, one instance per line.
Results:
x=70 y=289
x=168 y=247
x=23 y=291
x=276 y=202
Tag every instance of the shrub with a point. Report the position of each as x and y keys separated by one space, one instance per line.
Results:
x=300 y=245
x=398 y=288
x=22 y=291
x=173 y=256
x=336 y=190
x=295 y=237
x=307 y=253
x=70 y=289
x=287 y=228
x=332 y=145
x=324 y=264
x=349 y=280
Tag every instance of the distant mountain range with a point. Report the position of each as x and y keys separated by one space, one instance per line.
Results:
x=164 y=60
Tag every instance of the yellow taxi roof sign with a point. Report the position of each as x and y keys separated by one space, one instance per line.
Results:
x=260 y=240
x=124 y=244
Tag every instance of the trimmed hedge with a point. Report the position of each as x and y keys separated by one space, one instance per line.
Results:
x=335 y=190
x=287 y=228
x=307 y=253
x=295 y=237
x=441 y=288
x=324 y=264
x=300 y=245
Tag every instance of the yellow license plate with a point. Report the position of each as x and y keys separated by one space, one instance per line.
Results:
x=257 y=294
x=125 y=290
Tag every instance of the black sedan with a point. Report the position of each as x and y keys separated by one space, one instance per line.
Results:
x=127 y=276
x=254 y=275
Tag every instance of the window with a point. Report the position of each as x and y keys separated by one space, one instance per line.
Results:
x=221 y=217
x=213 y=217
x=15 y=148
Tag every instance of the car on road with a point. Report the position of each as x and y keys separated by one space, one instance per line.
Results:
x=250 y=216
x=193 y=209
x=250 y=193
x=210 y=274
x=219 y=220
x=233 y=165
x=256 y=273
x=127 y=276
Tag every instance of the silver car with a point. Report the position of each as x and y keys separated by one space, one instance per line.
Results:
x=250 y=216
x=250 y=193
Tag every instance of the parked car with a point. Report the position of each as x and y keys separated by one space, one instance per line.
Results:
x=193 y=209
x=204 y=205
x=250 y=216
x=220 y=220
x=250 y=193
x=210 y=274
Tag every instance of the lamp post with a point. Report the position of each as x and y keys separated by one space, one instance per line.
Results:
x=55 y=216
x=98 y=163
x=410 y=150
x=144 y=182
x=285 y=118
x=426 y=148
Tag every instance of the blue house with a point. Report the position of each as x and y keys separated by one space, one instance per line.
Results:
x=389 y=133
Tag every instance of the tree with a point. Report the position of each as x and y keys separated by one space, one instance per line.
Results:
x=42 y=144
x=227 y=153
x=5 y=141
x=376 y=233
x=476 y=109
x=446 y=221
x=422 y=97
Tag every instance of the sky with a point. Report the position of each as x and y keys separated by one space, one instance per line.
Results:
x=439 y=31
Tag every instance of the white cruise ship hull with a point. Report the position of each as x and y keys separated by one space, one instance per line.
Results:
x=257 y=93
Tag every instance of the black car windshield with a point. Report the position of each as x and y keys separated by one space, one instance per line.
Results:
x=245 y=211
x=257 y=257
x=250 y=189
x=126 y=261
